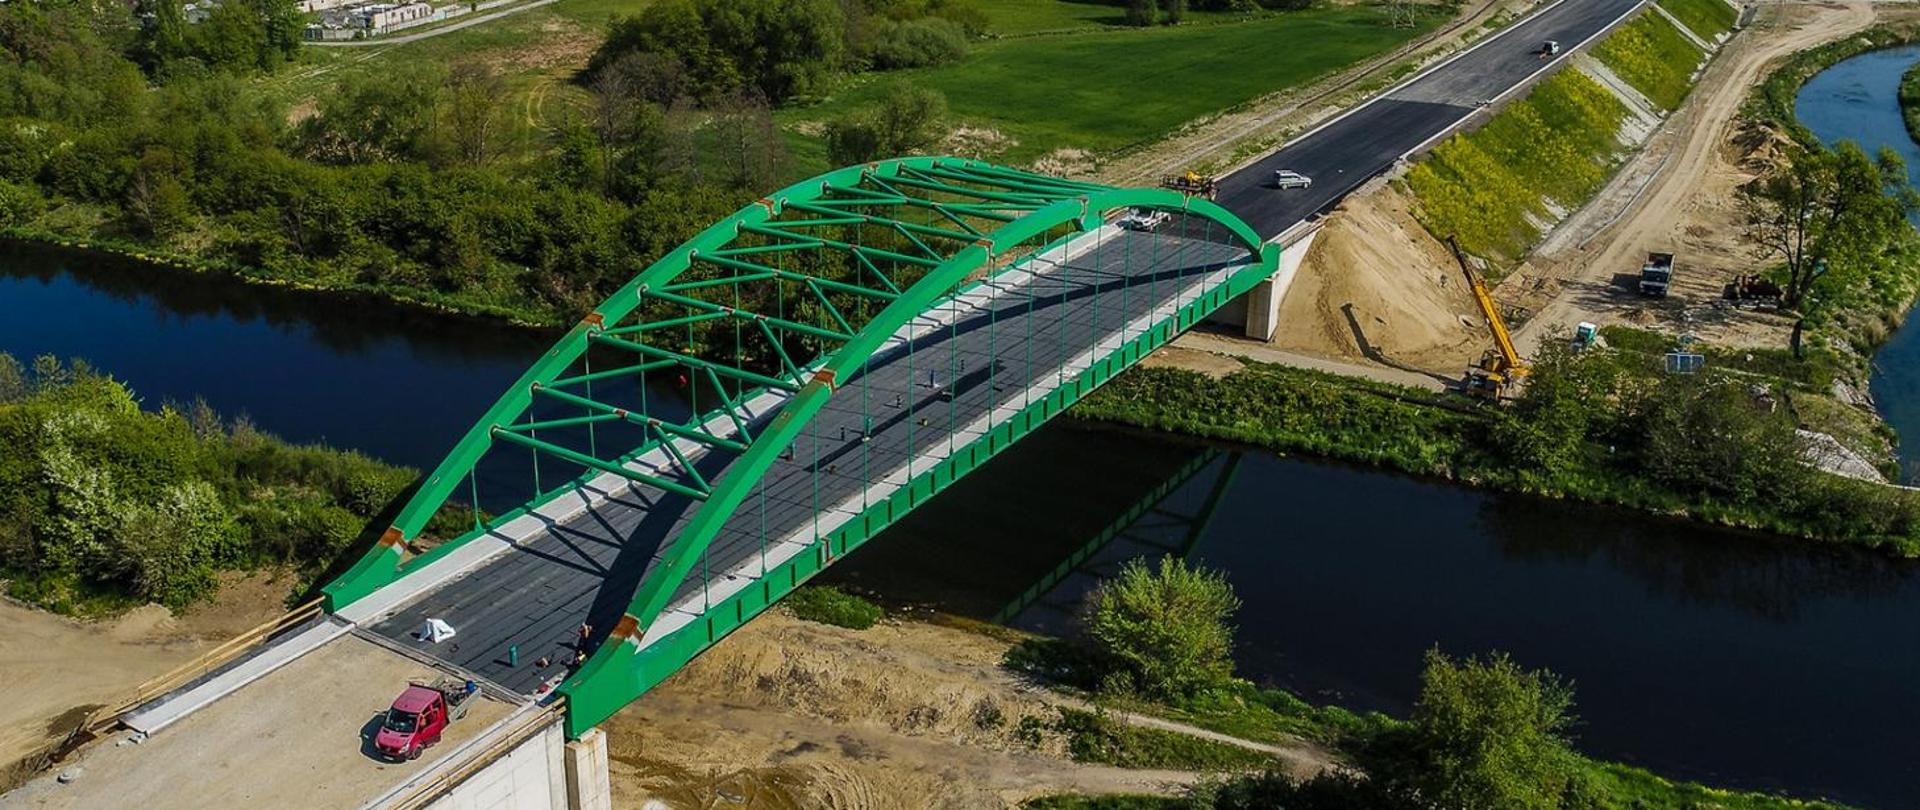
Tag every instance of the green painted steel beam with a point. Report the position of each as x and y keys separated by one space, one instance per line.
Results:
x=721 y=311
x=612 y=373
x=585 y=460
x=696 y=363
x=839 y=286
x=611 y=412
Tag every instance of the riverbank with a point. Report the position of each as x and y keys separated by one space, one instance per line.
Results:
x=921 y=710
x=1554 y=444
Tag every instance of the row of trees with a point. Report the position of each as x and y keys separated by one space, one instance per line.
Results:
x=1172 y=12
x=1608 y=421
x=392 y=184
x=782 y=49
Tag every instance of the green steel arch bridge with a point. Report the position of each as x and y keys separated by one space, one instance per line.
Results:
x=844 y=350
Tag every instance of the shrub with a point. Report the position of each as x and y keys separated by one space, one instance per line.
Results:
x=830 y=605
x=1166 y=628
x=1097 y=738
x=103 y=504
x=1490 y=734
x=922 y=42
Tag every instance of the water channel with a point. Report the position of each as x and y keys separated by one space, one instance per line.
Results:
x=1703 y=654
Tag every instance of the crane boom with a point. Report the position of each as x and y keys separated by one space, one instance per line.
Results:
x=1510 y=363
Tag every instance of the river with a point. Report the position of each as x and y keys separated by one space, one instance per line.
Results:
x=1704 y=654
x=1858 y=100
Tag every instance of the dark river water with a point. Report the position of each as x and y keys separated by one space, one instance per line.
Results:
x=1703 y=654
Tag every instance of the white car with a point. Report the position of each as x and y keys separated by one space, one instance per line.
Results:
x=1286 y=178
x=1143 y=219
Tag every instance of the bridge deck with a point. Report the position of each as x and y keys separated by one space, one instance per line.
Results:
x=535 y=596
x=298 y=737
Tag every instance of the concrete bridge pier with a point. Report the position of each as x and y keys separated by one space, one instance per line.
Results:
x=542 y=771
x=1257 y=313
x=588 y=786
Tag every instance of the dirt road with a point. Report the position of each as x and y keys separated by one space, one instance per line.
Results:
x=57 y=669
x=1677 y=195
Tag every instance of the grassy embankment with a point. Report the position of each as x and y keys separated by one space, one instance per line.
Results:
x=1610 y=458
x=1499 y=188
x=1707 y=19
x=1910 y=101
x=1865 y=314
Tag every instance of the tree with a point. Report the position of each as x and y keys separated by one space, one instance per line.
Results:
x=1710 y=436
x=1175 y=11
x=1143 y=12
x=782 y=48
x=907 y=119
x=473 y=112
x=747 y=142
x=1491 y=736
x=1549 y=429
x=157 y=199
x=1828 y=215
x=374 y=119
x=1167 y=629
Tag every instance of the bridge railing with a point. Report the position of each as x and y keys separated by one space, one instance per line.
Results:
x=204 y=664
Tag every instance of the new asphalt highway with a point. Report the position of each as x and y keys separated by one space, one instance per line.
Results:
x=1367 y=140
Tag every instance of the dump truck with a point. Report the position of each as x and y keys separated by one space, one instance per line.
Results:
x=420 y=716
x=1656 y=276
x=1192 y=183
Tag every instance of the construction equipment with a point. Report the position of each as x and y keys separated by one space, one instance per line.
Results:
x=1501 y=367
x=1585 y=336
x=1754 y=292
x=1656 y=276
x=1193 y=183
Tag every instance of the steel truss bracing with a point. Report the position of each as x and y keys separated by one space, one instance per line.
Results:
x=762 y=317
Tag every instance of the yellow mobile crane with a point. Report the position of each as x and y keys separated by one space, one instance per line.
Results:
x=1501 y=366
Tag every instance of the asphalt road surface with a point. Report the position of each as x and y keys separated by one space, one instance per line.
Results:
x=1353 y=149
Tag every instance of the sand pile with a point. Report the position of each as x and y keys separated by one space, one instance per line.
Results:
x=1377 y=287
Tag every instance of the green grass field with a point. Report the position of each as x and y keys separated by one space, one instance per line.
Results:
x=1653 y=56
x=1017 y=18
x=1106 y=89
x=1706 y=18
x=1094 y=85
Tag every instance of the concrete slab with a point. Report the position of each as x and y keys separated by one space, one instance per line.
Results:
x=296 y=737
